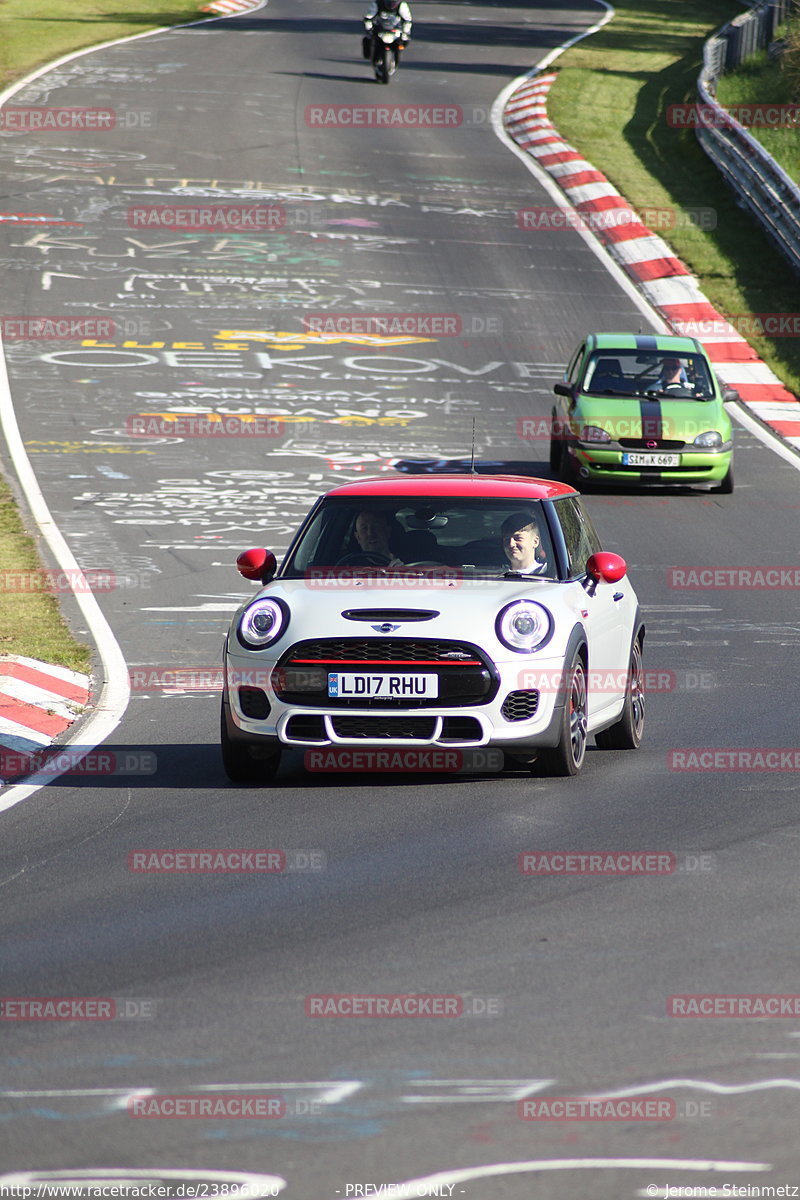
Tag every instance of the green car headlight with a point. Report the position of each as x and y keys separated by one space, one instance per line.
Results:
x=709 y=439
x=593 y=433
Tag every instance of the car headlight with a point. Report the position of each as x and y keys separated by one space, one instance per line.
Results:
x=262 y=623
x=593 y=433
x=709 y=438
x=524 y=626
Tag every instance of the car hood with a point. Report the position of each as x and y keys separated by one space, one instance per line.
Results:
x=643 y=417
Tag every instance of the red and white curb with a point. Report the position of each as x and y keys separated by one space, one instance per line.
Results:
x=37 y=703
x=661 y=277
x=229 y=8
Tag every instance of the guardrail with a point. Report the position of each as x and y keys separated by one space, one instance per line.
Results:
x=763 y=186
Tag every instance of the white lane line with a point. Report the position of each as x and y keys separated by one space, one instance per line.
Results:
x=764 y=435
x=208 y=607
x=696 y=1085
x=330 y=1092
x=115 y=690
x=114 y=696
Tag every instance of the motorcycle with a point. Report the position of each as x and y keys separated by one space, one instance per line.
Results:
x=383 y=44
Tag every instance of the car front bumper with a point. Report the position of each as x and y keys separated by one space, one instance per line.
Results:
x=605 y=464
x=517 y=717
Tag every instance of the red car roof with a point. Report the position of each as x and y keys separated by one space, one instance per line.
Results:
x=497 y=487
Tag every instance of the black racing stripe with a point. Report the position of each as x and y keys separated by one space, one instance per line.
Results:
x=650 y=412
x=645 y=342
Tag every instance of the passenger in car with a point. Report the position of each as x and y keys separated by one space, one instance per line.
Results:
x=521 y=542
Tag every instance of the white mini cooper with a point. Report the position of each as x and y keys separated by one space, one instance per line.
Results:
x=450 y=612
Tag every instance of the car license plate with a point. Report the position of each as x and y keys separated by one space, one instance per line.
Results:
x=651 y=460
x=399 y=686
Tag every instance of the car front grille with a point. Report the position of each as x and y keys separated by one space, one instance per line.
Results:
x=465 y=675
x=390 y=729
x=656 y=444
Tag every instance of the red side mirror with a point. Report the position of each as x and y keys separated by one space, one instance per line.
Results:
x=606 y=566
x=258 y=565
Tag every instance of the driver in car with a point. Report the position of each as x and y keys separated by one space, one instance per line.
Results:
x=372 y=532
x=673 y=376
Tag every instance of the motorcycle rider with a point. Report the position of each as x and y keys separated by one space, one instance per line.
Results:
x=394 y=7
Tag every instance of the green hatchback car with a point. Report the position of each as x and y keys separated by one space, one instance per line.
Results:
x=639 y=409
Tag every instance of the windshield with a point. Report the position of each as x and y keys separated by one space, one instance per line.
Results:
x=387 y=536
x=658 y=373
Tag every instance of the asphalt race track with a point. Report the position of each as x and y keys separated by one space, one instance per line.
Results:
x=416 y=887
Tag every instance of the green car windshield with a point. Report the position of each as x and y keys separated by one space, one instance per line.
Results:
x=656 y=373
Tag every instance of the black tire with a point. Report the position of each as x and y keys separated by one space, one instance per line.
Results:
x=725 y=486
x=628 y=731
x=388 y=64
x=243 y=762
x=567 y=757
x=566 y=470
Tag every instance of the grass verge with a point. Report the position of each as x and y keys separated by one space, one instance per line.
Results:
x=30 y=620
x=32 y=33
x=611 y=101
x=759 y=81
